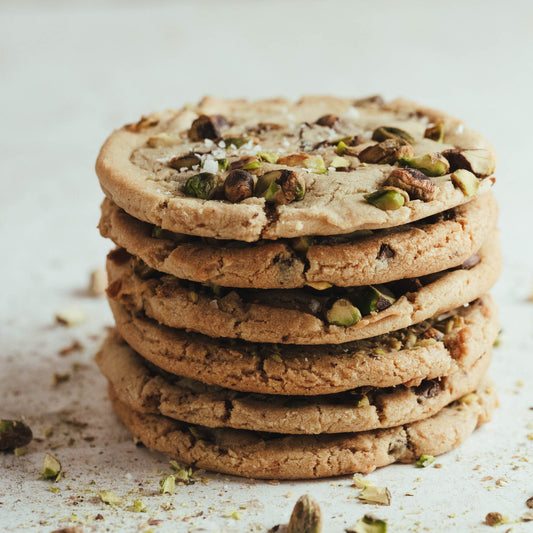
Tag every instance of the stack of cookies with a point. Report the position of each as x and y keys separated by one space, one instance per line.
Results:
x=300 y=290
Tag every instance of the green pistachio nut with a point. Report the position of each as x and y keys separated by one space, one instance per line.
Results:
x=375 y=299
x=203 y=185
x=239 y=185
x=372 y=494
x=435 y=132
x=14 y=434
x=269 y=157
x=51 y=467
x=434 y=164
x=342 y=148
x=339 y=162
x=479 y=161
x=343 y=313
x=315 y=164
x=237 y=142
x=280 y=186
x=306 y=516
x=368 y=524
x=207 y=127
x=386 y=199
x=386 y=152
x=425 y=460
x=389 y=132
x=184 y=162
x=466 y=181
x=223 y=164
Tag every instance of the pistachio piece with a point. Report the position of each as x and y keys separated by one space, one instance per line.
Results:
x=306 y=516
x=339 y=163
x=387 y=199
x=425 y=460
x=236 y=142
x=372 y=494
x=223 y=164
x=293 y=160
x=249 y=162
x=302 y=244
x=203 y=185
x=315 y=164
x=280 y=186
x=386 y=152
x=167 y=485
x=162 y=140
x=479 y=161
x=327 y=120
x=433 y=333
x=375 y=300
x=343 y=313
x=435 y=132
x=184 y=161
x=361 y=482
x=415 y=182
x=14 y=434
x=207 y=127
x=434 y=164
x=466 y=181
x=51 y=468
x=239 y=185
x=368 y=524
x=494 y=519
x=109 y=497
x=269 y=157
x=319 y=285
x=389 y=132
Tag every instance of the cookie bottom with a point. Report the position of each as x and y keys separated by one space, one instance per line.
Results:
x=275 y=456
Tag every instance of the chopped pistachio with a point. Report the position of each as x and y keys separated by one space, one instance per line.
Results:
x=425 y=460
x=363 y=402
x=184 y=162
x=203 y=185
x=343 y=313
x=51 y=468
x=237 y=142
x=372 y=494
x=276 y=357
x=361 y=482
x=181 y=473
x=207 y=127
x=339 y=162
x=306 y=516
x=14 y=434
x=386 y=152
x=137 y=507
x=315 y=164
x=109 y=497
x=162 y=140
x=468 y=399
x=19 y=452
x=414 y=182
x=168 y=485
x=252 y=165
x=319 y=285
x=368 y=524
x=434 y=164
x=71 y=316
x=466 y=181
x=435 y=132
x=342 y=148
x=280 y=186
x=375 y=299
x=269 y=157
x=327 y=120
x=387 y=199
x=233 y=514
x=239 y=185
x=53 y=489
x=302 y=244
x=223 y=164
x=479 y=161
x=389 y=132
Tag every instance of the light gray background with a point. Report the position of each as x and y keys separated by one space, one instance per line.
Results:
x=70 y=72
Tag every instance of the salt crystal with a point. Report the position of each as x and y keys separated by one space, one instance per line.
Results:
x=208 y=143
x=210 y=165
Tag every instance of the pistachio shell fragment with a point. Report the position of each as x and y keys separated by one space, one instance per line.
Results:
x=479 y=161
x=368 y=524
x=280 y=186
x=14 y=434
x=239 y=185
x=203 y=185
x=434 y=164
x=306 y=516
x=386 y=152
x=343 y=313
x=389 y=132
x=387 y=199
x=184 y=162
x=466 y=181
x=207 y=127
x=375 y=300
x=435 y=132
x=415 y=182
x=372 y=494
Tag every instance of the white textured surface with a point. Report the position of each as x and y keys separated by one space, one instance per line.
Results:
x=70 y=72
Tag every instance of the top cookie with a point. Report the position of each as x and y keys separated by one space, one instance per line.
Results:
x=232 y=169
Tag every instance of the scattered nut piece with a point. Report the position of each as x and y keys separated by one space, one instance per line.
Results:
x=280 y=186
x=375 y=299
x=414 y=181
x=433 y=165
x=466 y=181
x=184 y=162
x=207 y=127
x=51 y=468
x=389 y=132
x=14 y=434
x=527 y=516
x=368 y=524
x=327 y=120
x=109 y=497
x=239 y=185
x=425 y=460
x=378 y=495
x=386 y=152
x=387 y=198
x=361 y=482
x=306 y=516
x=479 y=161
x=71 y=316
x=343 y=313
x=97 y=282
x=203 y=185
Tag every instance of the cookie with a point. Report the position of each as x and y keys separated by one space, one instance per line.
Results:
x=272 y=169
x=441 y=242
x=277 y=456
x=146 y=389
x=297 y=316
x=406 y=356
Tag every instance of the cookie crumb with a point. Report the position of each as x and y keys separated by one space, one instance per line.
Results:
x=97 y=282
x=71 y=316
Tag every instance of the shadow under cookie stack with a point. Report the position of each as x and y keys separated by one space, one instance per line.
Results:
x=300 y=290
